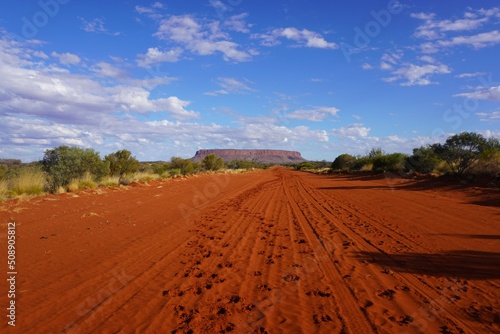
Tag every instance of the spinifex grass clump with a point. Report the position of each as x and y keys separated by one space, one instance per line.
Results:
x=29 y=181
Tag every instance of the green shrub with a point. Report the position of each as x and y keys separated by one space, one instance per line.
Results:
x=160 y=168
x=462 y=150
x=64 y=164
x=306 y=165
x=488 y=164
x=343 y=162
x=362 y=164
x=394 y=162
x=186 y=166
x=121 y=162
x=424 y=160
x=212 y=163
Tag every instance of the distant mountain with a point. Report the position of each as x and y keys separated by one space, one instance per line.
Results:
x=261 y=156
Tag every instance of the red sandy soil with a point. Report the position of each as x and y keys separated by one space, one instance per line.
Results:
x=272 y=251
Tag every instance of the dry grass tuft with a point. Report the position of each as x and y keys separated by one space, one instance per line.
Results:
x=87 y=182
x=110 y=181
x=29 y=182
x=3 y=190
x=144 y=176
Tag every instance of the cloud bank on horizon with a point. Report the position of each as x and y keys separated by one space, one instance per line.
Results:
x=166 y=78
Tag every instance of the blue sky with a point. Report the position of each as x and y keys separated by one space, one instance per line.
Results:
x=165 y=78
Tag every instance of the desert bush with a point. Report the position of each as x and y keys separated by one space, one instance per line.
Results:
x=185 y=166
x=64 y=164
x=375 y=152
x=160 y=168
x=121 y=162
x=343 y=162
x=244 y=164
x=29 y=181
x=462 y=150
x=306 y=165
x=488 y=164
x=362 y=164
x=212 y=162
x=424 y=160
x=394 y=162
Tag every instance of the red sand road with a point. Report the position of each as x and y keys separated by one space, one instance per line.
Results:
x=273 y=251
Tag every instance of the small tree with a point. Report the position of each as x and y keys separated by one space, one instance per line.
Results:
x=389 y=163
x=160 y=167
x=65 y=163
x=212 y=162
x=344 y=162
x=424 y=160
x=375 y=152
x=362 y=163
x=122 y=162
x=185 y=166
x=460 y=151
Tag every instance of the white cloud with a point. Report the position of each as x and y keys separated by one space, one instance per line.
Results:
x=470 y=75
x=40 y=54
x=411 y=74
x=435 y=29
x=477 y=41
x=303 y=38
x=438 y=31
x=202 y=39
x=366 y=66
x=316 y=114
x=237 y=23
x=495 y=115
x=217 y=92
x=231 y=85
x=54 y=93
x=96 y=25
x=152 y=11
x=155 y=56
x=352 y=131
x=492 y=93
x=385 y=66
x=107 y=70
x=427 y=59
x=66 y=58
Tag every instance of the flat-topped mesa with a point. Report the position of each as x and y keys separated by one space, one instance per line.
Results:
x=262 y=156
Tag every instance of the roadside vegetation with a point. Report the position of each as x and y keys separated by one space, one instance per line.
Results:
x=67 y=169
x=463 y=154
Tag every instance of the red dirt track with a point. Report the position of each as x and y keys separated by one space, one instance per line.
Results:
x=273 y=251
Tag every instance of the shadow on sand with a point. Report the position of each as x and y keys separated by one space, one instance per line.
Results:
x=458 y=264
x=488 y=187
